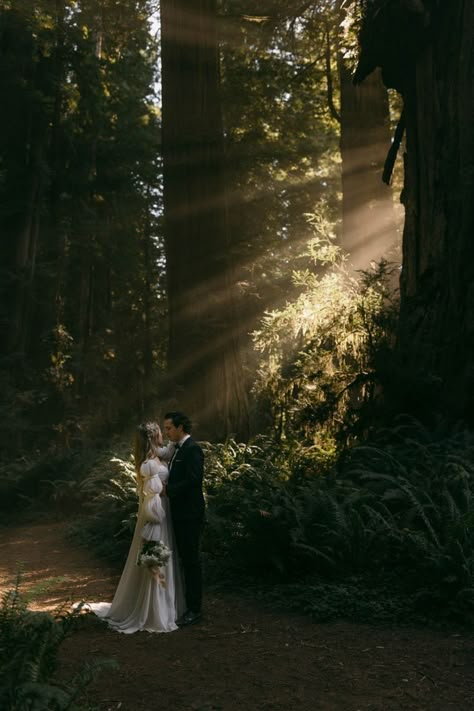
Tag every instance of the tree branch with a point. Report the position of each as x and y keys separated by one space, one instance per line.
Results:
x=393 y=150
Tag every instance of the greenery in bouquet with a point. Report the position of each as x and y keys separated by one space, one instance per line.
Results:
x=154 y=555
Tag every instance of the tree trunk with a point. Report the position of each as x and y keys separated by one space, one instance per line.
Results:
x=147 y=346
x=27 y=241
x=426 y=51
x=437 y=285
x=368 y=220
x=203 y=346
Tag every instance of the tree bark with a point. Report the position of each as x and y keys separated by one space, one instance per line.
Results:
x=437 y=285
x=426 y=51
x=27 y=241
x=205 y=374
x=24 y=223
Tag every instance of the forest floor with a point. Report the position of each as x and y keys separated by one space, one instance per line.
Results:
x=243 y=655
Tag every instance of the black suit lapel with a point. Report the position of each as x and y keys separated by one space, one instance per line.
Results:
x=177 y=452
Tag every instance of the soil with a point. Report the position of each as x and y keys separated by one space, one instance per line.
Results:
x=243 y=656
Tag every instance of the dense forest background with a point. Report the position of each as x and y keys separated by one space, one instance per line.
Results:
x=155 y=244
x=266 y=221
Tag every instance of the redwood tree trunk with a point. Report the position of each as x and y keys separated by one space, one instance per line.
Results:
x=204 y=367
x=27 y=244
x=368 y=221
x=437 y=285
x=426 y=51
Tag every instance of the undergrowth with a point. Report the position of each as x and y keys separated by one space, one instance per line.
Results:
x=29 y=649
x=383 y=531
x=388 y=533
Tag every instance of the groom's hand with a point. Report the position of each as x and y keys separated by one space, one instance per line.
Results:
x=163 y=491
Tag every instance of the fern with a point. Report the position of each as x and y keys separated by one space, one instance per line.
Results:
x=29 y=648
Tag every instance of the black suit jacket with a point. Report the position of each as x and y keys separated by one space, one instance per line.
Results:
x=184 y=487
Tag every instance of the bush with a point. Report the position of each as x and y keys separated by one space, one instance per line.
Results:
x=394 y=515
x=426 y=479
x=326 y=356
x=109 y=498
x=398 y=509
x=354 y=598
x=30 y=483
x=29 y=647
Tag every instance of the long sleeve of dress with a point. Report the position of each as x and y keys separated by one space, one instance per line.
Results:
x=152 y=506
x=165 y=453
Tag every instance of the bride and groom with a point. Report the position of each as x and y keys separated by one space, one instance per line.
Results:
x=171 y=510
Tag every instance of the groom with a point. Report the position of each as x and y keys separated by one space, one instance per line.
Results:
x=184 y=490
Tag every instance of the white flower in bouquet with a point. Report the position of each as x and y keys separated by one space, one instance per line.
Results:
x=154 y=555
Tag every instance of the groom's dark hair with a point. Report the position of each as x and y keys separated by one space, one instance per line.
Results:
x=179 y=418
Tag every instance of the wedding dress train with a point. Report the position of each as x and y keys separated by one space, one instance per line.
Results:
x=141 y=602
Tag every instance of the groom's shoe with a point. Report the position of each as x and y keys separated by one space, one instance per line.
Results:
x=189 y=618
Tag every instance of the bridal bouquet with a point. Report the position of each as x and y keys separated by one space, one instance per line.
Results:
x=153 y=555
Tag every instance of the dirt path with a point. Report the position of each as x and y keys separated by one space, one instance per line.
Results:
x=241 y=656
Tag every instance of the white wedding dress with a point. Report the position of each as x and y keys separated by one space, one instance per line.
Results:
x=141 y=602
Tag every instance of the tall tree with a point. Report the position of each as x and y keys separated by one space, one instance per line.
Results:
x=25 y=47
x=294 y=50
x=281 y=143
x=203 y=342
x=426 y=51
x=368 y=220
x=82 y=260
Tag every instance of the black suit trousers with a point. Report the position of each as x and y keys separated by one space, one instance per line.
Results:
x=188 y=534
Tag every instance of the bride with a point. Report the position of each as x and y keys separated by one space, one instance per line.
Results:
x=143 y=600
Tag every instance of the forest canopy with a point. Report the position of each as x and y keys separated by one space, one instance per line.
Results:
x=193 y=214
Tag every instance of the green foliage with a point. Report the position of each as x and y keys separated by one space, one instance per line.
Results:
x=326 y=354
x=41 y=481
x=426 y=479
x=29 y=648
x=82 y=258
x=109 y=497
x=395 y=518
x=382 y=531
x=355 y=598
x=267 y=519
x=281 y=143
x=97 y=485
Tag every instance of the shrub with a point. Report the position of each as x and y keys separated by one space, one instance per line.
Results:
x=110 y=504
x=426 y=479
x=395 y=515
x=397 y=510
x=325 y=355
x=38 y=480
x=29 y=647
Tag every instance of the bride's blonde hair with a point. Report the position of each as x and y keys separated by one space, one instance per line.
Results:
x=147 y=437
